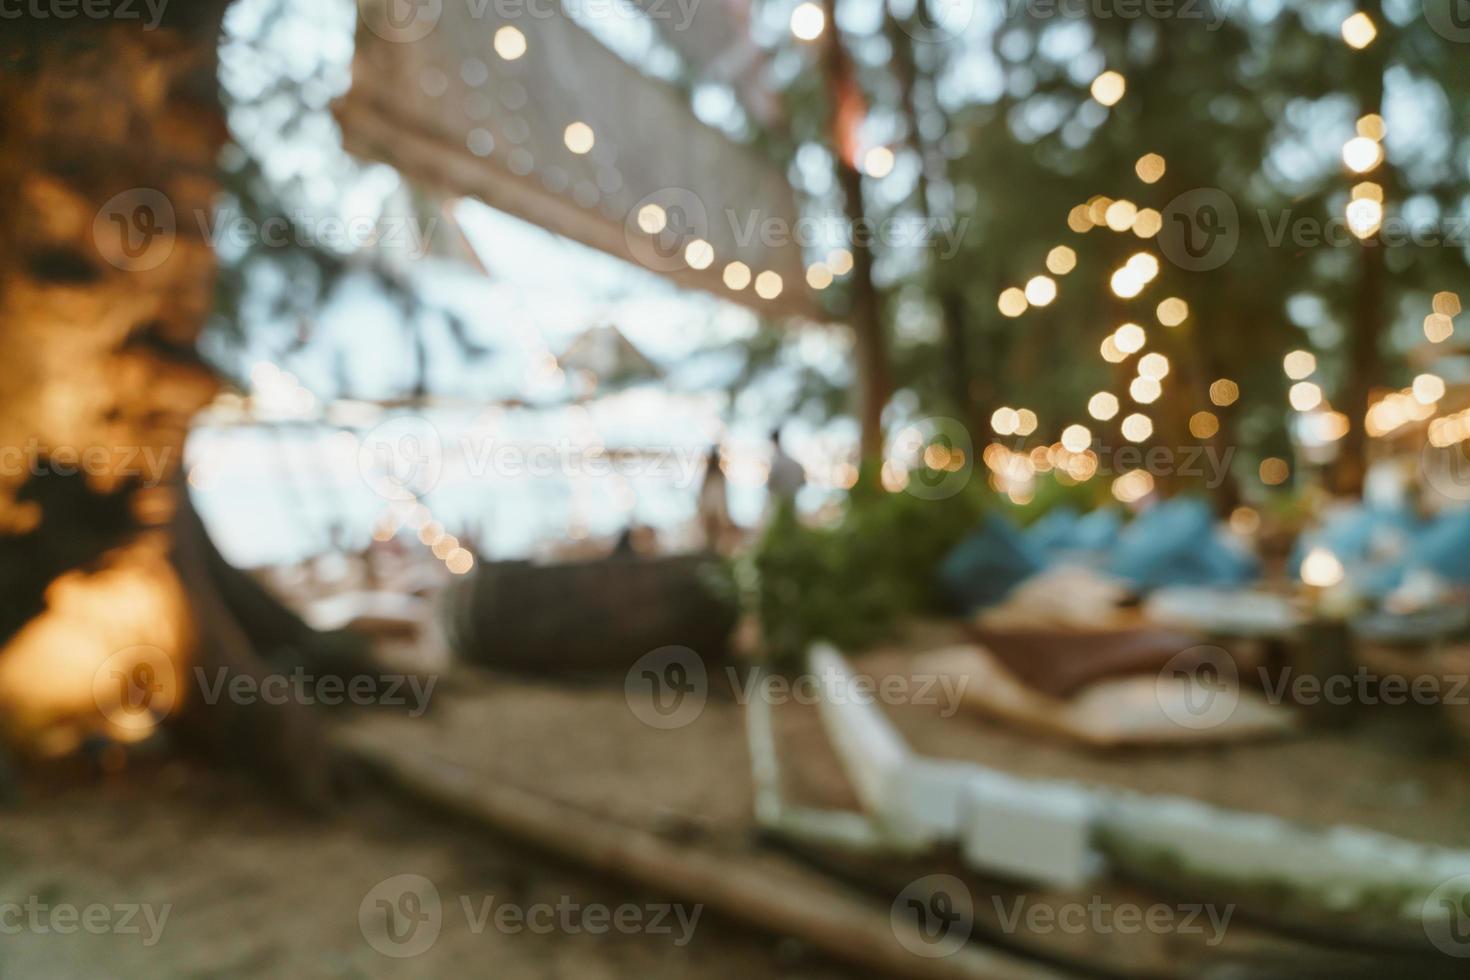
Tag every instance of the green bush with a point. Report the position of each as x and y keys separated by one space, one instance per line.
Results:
x=854 y=582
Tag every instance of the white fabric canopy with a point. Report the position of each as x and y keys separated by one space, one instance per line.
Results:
x=431 y=96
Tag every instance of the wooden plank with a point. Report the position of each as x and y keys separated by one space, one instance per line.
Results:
x=788 y=902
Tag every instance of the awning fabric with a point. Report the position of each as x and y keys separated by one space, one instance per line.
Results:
x=431 y=97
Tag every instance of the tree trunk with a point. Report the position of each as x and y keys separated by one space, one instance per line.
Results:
x=1363 y=361
x=953 y=320
x=874 y=376
x=108 y=148
x=1368 y=314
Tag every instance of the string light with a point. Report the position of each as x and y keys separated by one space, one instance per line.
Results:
x=1081 y=467
x=1365 y=210
x=1447 y=304
x=1359 y=30
x=768 y=285
x=1362 y=154
x=1145 y=391
x=1245 y=521
x=1108 y=88
x=1173 y=311
x=1364 y=217
x=1329 y=426
x=1041 y=290
x=737 y=275
x=1076 y=438
x=1012 y=302
x=652 y=219
x=1103 y=406
x=1133 y=486
x=1137 y=427
x=699 y=253
x=1394 y=411
x=1127 y=283
x=509 y=43
x=1130 y=338
x=1154 y=366
x=878 y=162
x=1299 y=364
x=1144 y=265
x=1148 y=223
x=1150 y=168
x=1204 y=425
x=1450 y=430
x=1224 y=392
x=1005 y=421
x=1274 y=471
x=818 y=276
x=808 y=21
x=1120 y=215
x=1305 y=396
x=1061 y=260
x=1438 y=328
x=1428 y=389
x=579 y=138
x=839 y=260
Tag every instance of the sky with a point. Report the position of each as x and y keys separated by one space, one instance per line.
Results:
x=274 y=495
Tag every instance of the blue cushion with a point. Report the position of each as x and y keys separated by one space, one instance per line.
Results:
x=1443 y=546
x=989 y=562
x=1055 y=529
x=1176 y=543
x=1098 y=531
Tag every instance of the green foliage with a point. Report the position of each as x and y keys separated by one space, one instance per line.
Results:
x=271 y=289
x=1254 y=103
x=851 y=583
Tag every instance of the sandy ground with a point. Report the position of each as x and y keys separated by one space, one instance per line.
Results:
x=253 y=889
